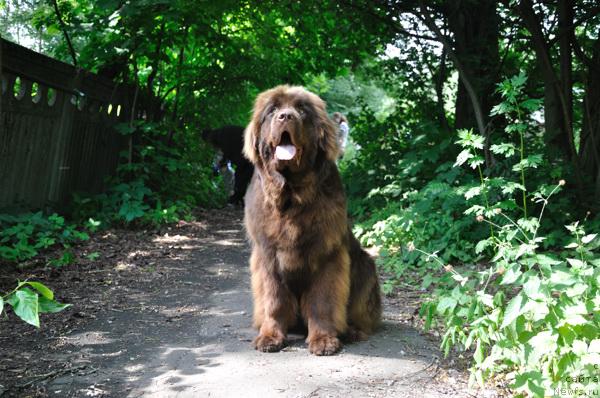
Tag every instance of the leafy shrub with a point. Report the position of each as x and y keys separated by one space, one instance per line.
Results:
x=165 y=178
x=23 y=236
x=523 y=292
x=397 y=151
x=402 y=187
x=430 y=218
x=531 y=313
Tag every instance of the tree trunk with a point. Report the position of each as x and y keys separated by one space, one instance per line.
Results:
x=565 y=34
x=474 y=24
x=557 y=107
x=589 y=148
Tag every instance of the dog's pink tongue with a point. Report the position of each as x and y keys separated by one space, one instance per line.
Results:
x=285 y=152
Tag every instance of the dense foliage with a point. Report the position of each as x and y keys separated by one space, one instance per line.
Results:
x=474 y=163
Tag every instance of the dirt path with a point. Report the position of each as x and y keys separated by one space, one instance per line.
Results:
x=169 y=314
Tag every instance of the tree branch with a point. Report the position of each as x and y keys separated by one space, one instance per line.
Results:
x=65 y=33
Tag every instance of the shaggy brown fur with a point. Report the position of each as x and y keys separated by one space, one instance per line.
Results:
x=305 y=262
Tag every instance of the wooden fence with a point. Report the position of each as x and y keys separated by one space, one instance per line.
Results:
x=57 y=128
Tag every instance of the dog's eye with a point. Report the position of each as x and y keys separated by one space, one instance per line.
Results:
x=302 y=110
x=269 y=111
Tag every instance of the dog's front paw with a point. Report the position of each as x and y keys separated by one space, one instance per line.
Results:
x=269 y=343
x=324 y=345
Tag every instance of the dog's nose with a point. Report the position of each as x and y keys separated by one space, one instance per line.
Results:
x=285 y=114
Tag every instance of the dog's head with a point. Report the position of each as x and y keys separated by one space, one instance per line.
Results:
x=289 y=130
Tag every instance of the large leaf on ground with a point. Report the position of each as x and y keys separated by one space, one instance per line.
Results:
x=42 y=289
x=51 y=306
x=25 y=305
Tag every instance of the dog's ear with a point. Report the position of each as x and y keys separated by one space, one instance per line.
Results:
x=252 y=132
x=251 y=135
x=328 y=132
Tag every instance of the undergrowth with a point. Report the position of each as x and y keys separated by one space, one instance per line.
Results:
x=161 y=177
x=512 y=266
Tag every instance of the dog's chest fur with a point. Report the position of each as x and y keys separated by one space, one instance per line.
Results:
x=310 y=225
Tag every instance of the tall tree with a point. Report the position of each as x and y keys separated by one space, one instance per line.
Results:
x=475 y=28
x=590 y=134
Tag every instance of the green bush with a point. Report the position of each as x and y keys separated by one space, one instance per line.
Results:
x=430 y=218
x=507 y=279
x=531 y=313
x=23 y=236
x=159 y=182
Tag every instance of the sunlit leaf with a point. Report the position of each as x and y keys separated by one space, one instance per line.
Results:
x=513 y=310
x=588 y=238
x=25 y=306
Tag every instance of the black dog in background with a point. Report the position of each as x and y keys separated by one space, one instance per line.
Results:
x=230 y=140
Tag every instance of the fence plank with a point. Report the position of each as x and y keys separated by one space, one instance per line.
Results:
x=50 y=148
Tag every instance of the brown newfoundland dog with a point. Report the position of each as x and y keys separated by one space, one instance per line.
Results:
x=307 y=267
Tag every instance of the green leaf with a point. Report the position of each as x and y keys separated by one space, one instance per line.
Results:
x=506 y=149
x=510 y=187
x=42 y=289
x=481 y=245
x=472 y=192
x=537 y=309
x=567 y=333
x=531 y=382
x=531 y=104
x=475 y=209
x=51 y=306
x=478 y=355
x=542 y=345
x=529 y=225
x=575 y=315
x=446 y=303
x=588 y=238
x=576 y=290
x=575 y=263
x=524 y=248
x=500 y=109
x=476 y=161
x=513 y=310
x=511 y=274
x=463 y=157
x=530 y=162
x=579 y=347
x=545 y=259
x=518 y=81
x=486 y=299
x=25 y=306
x=532 y=288
x=562 y=278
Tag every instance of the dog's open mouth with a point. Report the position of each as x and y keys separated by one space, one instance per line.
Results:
x=285 y=150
